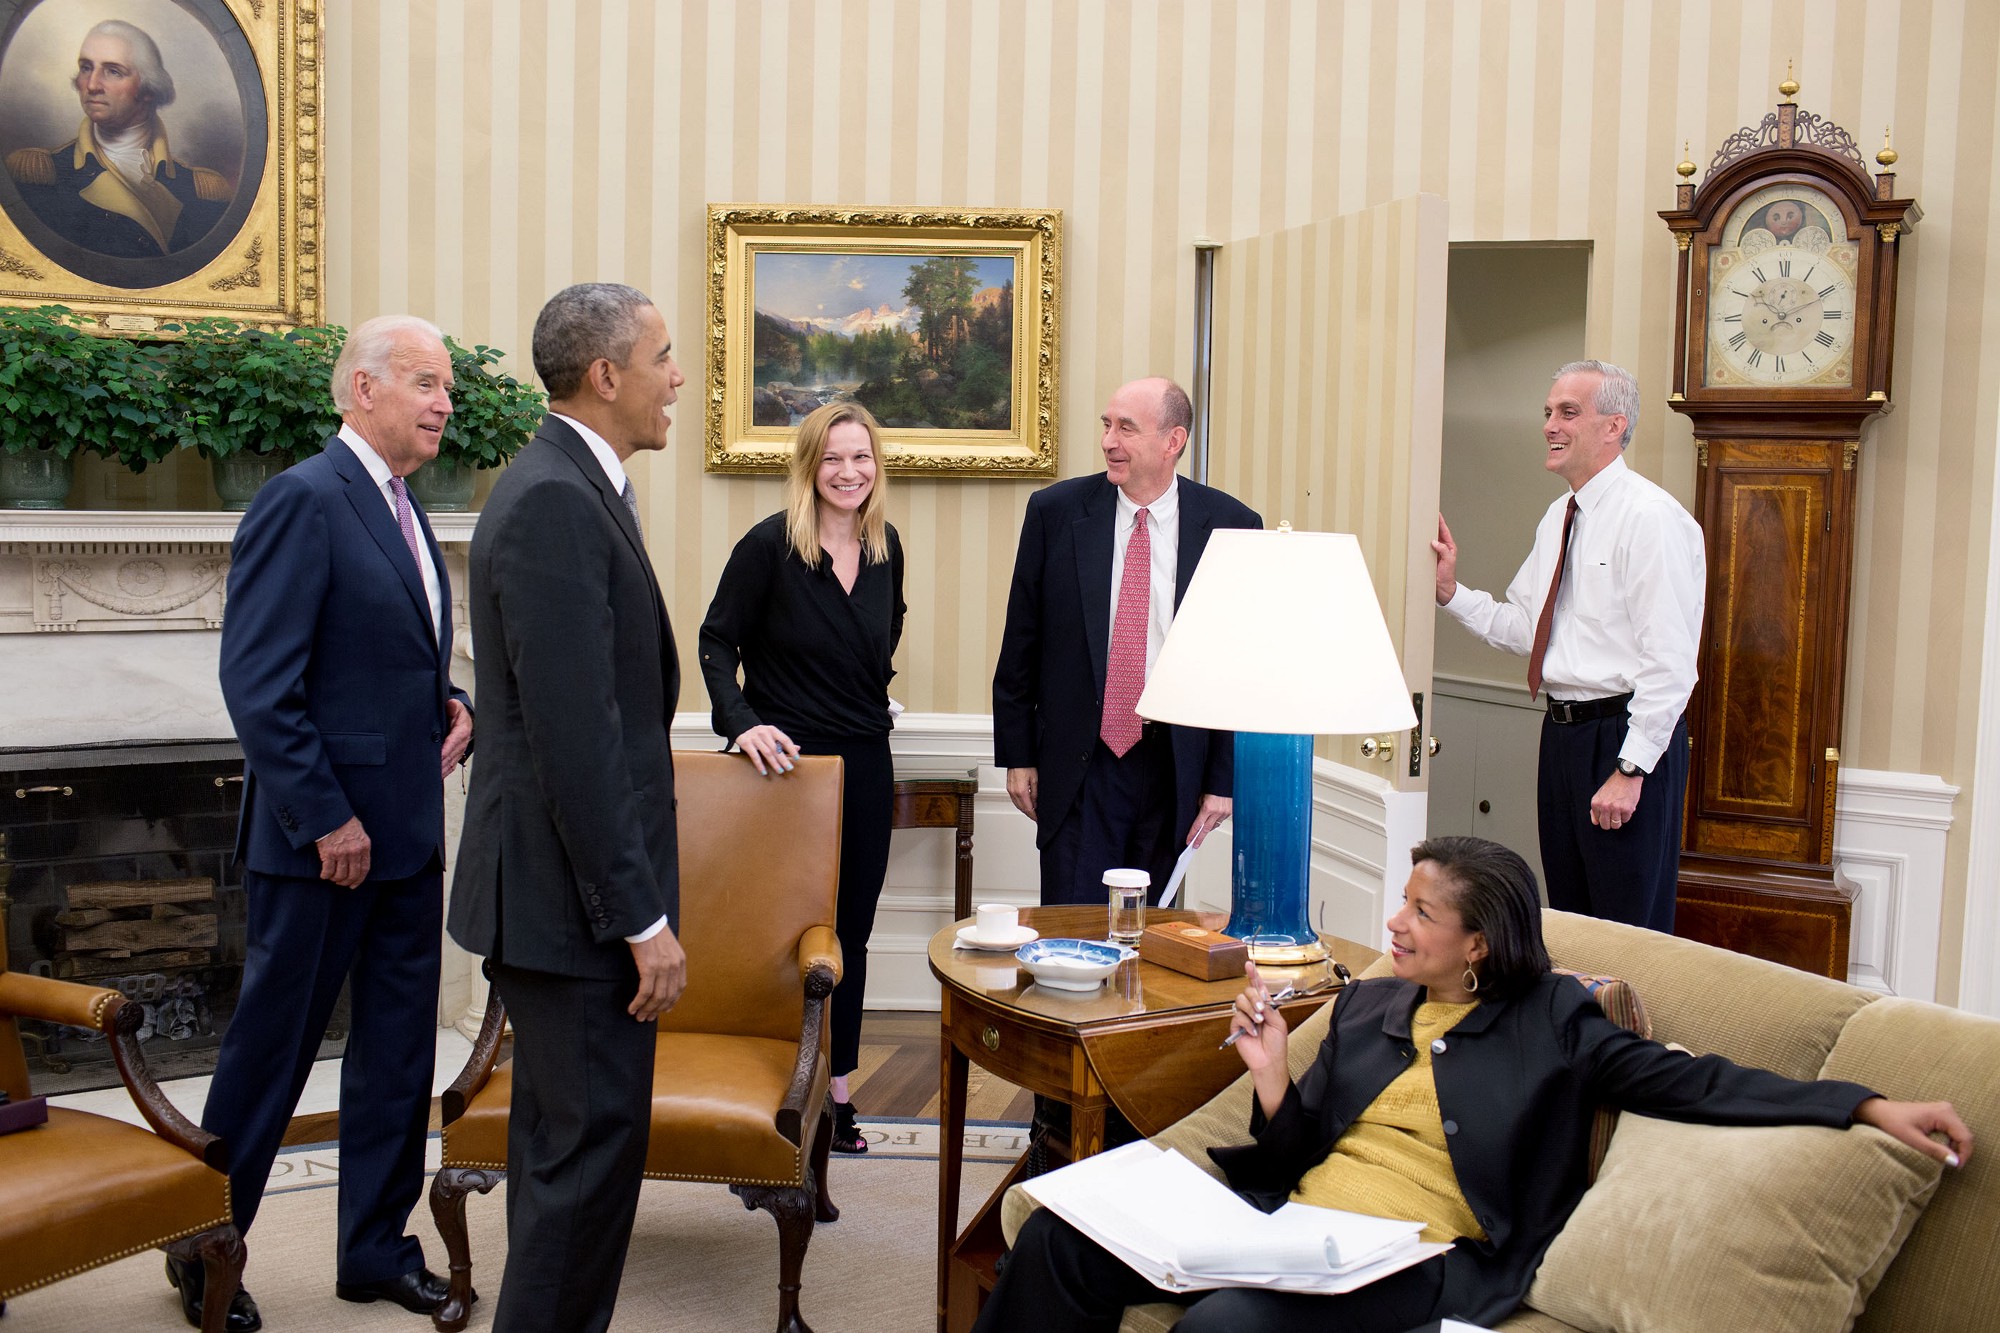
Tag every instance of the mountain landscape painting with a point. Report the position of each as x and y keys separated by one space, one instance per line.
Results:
x=924 y=341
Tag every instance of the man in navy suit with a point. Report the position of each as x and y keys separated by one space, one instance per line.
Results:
x=1084 y=624
x=335 y=667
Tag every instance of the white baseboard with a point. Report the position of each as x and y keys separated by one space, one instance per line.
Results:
x=1889 y=832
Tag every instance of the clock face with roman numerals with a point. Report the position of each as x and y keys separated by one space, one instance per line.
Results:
x=1781 y=293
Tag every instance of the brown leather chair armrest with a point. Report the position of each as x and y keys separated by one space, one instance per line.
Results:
x=819 y=948
x=478 y=1065
x=819 y=966
x=106 y=1011
x=68 y=1002
x=165 y=1118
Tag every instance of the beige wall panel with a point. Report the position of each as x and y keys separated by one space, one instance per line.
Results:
x=483 y=152
x=1351 y=299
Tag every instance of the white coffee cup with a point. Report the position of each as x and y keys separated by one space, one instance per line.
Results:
x=997 y=921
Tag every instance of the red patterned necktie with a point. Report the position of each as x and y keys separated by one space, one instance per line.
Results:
x=1125 y=672
x=1547 y=622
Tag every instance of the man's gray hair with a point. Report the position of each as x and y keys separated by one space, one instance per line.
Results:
x=154 y=81
x=1617 y=392
x=370 y=348
x=581 y=324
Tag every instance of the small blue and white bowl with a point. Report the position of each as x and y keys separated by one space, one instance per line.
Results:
x=1072 y=964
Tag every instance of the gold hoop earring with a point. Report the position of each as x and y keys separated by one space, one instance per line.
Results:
x=1471 y=979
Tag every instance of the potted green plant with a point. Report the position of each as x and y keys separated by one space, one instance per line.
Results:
x=53 y=403
x=254 y=402
x=492 y=416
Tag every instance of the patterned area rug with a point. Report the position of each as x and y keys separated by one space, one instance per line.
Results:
x=317 y=1165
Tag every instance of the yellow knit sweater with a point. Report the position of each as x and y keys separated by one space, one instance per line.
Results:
x=1392 y=1161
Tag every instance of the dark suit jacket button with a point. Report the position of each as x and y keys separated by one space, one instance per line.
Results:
x=1451 y=1127
x=436 y=736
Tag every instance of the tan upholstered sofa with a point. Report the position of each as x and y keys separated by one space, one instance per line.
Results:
x=1944 y=1278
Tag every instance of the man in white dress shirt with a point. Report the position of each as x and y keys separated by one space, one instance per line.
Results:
x=1607 y=609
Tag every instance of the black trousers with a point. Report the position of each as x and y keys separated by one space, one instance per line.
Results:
x=867 y=795
x=305 y=938
x=576 y=1147
x=1624 y=874
x=1123 y=817
x=1056 y=1280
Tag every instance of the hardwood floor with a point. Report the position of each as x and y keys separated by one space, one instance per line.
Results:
x=897 y=1077
x=898 y=1074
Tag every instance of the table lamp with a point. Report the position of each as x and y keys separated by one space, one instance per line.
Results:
x=1279 y=638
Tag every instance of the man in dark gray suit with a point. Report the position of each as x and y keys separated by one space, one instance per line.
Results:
x=568 y=875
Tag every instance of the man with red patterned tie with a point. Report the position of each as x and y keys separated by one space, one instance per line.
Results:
x=1103 y=562
x=1607 y=609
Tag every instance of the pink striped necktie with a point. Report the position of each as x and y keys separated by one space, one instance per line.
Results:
x=1125 y=670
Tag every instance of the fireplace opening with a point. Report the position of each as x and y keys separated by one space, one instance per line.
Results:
x=117 y=869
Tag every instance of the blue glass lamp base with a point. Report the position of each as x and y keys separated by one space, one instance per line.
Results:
x=1269 y=908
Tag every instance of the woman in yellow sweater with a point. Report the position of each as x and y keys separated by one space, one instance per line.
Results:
x=1458 y=1093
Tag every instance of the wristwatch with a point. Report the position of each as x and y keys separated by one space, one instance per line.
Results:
x=1630 y=769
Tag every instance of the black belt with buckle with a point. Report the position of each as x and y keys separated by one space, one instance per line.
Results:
x=1566 y=711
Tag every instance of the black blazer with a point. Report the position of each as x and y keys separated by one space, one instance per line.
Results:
x=1048 y=688
x=1517 y=1084
x=569 y=841
x=333 y=675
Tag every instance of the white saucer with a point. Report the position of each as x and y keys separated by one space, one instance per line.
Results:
x=1021 y=935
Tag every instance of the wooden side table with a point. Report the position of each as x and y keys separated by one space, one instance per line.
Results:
x=941 y=800
x=1145 y=1042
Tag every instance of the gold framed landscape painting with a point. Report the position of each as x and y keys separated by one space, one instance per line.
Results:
x=161 y=159
x=942 y=323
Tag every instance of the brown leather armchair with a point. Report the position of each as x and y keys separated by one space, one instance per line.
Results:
x=83 y=1190
x=740 y=1068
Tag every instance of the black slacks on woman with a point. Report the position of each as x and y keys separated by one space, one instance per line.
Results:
x=1057 y=1280
x=867 y=792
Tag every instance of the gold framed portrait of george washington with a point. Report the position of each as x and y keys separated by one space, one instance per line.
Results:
x=159 y=159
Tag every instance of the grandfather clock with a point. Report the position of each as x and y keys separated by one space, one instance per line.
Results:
x=1783 y=331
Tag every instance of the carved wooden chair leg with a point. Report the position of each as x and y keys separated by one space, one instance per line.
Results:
x=222 y=1254
x=792 y=1206
x=448 y=1190
x=823 y=1207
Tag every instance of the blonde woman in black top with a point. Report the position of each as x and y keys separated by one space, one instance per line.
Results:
x=810 y=607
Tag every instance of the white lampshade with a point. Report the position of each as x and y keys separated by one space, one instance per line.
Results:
x=1280 y=632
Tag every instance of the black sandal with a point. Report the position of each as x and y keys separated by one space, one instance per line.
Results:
x=846 y=1137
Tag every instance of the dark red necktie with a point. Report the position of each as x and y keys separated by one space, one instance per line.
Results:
x=1125 y=670
x=1547 y=622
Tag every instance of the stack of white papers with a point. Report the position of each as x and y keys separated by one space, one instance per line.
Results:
x=1183 y=1230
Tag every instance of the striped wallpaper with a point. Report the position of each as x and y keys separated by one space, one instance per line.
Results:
x=482 y=153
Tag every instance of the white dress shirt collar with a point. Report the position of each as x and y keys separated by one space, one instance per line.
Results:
x=1164 y=510
x=378 y=469
x=606 y=456
x=1601 y=485
x=379 y=473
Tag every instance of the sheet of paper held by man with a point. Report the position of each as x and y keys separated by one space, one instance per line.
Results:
x=1186 y=1231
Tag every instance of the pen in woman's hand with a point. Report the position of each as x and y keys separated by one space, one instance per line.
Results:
x=1290 y=992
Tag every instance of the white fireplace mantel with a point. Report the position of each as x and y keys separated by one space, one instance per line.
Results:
x=126 y=527
x=76 y=586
